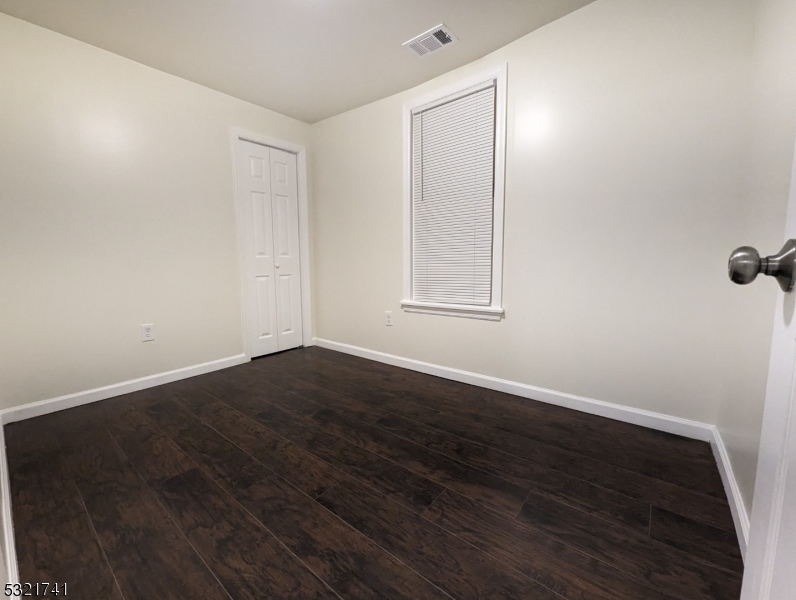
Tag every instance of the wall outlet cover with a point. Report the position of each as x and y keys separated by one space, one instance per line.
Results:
x=388 y=321
x=147 y=332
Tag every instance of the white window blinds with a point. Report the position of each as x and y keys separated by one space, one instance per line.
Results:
x=453 y=167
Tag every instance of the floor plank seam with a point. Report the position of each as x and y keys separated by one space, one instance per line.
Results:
x=176 y=525
x=567 y=450
x=324 y=360
x=346 y=524
x=358 y=532
x=99 y=542
x=500 y=451
x=486 y=552
x=302 y=450
x=374 y=423
x=557 y=447
x=210 y=426
x=323 y=493
x=421 y=515
x=622 y=568
x=184 y=536
x=272 y=534
x=427 y=508
x=237 y=503
x=363 y=449
x=531 y=484
x=387 y=458
x=520 y=509
x=593 y=556
x=433 y=452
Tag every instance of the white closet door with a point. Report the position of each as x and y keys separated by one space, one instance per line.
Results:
x=287 y=269
x=256 y=211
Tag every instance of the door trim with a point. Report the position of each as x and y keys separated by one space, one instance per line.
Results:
x=300 y=151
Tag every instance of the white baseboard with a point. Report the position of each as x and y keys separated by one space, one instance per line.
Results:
x=43 y=407
x=10 y=570
x=659 y=421
x=740 y=515
x=636 y=416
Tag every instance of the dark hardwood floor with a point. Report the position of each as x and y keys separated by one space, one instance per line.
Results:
x=314 y=474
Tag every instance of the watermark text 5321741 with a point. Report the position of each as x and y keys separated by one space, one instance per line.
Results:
x=35 y=590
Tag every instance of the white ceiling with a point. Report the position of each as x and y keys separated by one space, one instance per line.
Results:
x=309 y=59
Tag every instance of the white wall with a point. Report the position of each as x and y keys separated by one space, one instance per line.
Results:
x=627 y=135
x=116 y=209
x=770 y=146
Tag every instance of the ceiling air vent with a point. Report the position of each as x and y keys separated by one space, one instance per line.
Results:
x=432 y=40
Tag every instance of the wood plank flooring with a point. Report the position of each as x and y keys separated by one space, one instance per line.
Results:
x=314 y=474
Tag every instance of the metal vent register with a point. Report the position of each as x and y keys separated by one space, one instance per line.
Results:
x=431 y=41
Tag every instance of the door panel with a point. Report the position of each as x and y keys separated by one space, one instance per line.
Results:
x=254 y=197
x=286 y=305
x=284 y=194
x=282 y=227
x=258 y=168
x=266 y=311
x=263 y=227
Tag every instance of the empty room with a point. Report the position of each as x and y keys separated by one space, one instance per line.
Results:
x=398 y=299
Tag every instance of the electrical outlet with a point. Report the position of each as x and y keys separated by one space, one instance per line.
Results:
x=388 y=322
x=147 y=332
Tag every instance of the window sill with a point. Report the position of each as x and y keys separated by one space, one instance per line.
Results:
x=487 y=313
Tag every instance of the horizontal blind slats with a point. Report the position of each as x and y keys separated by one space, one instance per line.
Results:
x=452 y=191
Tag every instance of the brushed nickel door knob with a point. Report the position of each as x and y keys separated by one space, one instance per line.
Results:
x=745 y=265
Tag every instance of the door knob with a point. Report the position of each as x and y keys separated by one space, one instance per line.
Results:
x=745 y=265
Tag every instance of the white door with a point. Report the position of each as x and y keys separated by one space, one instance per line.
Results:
x=770 y=572
x=284 y=201
x=268 y=209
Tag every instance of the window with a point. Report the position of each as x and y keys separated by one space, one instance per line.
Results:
x=453 y=199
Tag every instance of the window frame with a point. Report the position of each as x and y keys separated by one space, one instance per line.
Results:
x=493 y=312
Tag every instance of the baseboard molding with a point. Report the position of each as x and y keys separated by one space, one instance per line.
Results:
x=661 y=422
x=740 y=514
x=636 y=416
x=10 y=569
x=44 y=407
x=692 y=429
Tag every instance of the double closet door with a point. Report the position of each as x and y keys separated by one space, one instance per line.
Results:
x=268 y=209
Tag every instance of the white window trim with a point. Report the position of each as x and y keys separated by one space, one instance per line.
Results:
x=494 y=311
